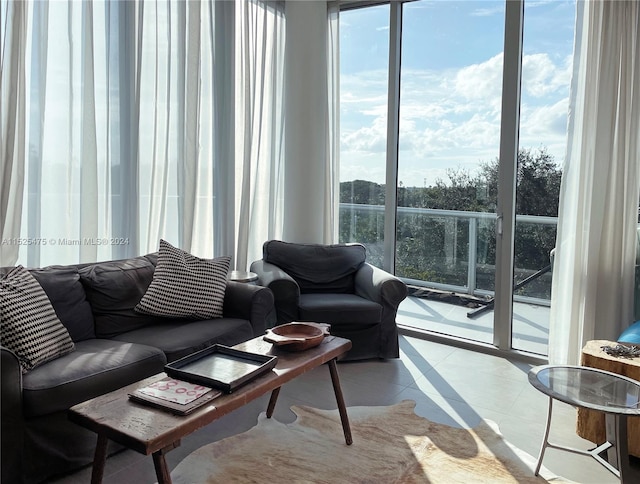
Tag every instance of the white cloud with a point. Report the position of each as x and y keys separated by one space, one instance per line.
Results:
x=545 y=125
x=367 y=139
x=356 y=165
x=480 y=81
x=487 y=12
x=537 y=3
x=449 y=118
x=541 y=76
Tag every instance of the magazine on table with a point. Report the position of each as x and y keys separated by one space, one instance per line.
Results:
x=177 y=396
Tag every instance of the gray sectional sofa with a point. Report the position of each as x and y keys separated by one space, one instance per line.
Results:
x=113 y=345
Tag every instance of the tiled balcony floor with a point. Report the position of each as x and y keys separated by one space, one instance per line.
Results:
x=530 y=322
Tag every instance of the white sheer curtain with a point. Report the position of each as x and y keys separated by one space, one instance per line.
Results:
x=332 y=196
x=286 y=179
x=119 y=130
x=260 y=38
x=58 y=147
x=13 y=32
x=124 y=122
x=182 y=63
x=593 y=273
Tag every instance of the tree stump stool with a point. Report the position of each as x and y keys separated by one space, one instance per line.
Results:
x=590 y=424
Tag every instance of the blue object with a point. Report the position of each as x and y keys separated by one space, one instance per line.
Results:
x=631 y=334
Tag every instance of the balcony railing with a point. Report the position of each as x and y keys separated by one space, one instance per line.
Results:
x=453 y=250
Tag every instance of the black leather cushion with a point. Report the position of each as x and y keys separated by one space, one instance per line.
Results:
x=317 y=267
x=338 y=309
x=181 y=337
x=67 y=296
x=97 y=366
x=113 y=289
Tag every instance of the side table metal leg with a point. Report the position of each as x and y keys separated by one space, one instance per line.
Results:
x=612 y=433
x=545 y=440
x=618 y=453
x=344 y=418
x=99 y=459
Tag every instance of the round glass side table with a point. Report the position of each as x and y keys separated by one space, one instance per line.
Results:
x=243 y=276
x=615 y=395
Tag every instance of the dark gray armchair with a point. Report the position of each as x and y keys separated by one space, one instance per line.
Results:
x=334 y=284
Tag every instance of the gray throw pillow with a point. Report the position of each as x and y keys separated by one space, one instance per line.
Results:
x=187 y=286
x=68 y=298
x=113 y=289
x=29 y=325
x=317 y=267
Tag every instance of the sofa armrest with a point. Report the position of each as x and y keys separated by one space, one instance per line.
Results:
x=286 y=292
x=11 y=383
x=12 y=422
x=246 y=301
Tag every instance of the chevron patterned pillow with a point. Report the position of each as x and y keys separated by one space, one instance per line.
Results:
x=29 y=325
x=184 y=285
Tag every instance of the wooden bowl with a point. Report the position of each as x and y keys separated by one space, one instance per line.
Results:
x=296 y=336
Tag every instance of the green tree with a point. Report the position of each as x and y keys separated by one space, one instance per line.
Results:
x=362 y=192
x=422 y=239
x=537 y=181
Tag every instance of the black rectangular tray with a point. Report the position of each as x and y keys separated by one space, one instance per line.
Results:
x=219 y=366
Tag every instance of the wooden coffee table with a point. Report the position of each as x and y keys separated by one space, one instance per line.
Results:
x=153 y=431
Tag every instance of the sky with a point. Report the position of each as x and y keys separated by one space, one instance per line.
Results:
x=451 y=85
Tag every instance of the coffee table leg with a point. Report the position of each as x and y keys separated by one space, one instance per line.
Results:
x=272 y=402
x=160 y=463
x=99 y=459
x=335 y=380
x=162 y=471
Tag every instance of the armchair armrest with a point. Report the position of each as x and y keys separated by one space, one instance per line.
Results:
x=12 y=422
x=286 y=291
x=386 y=289
x=247 y=301
x=377 y=285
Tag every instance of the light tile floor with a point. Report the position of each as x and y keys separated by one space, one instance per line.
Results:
x=451 y=385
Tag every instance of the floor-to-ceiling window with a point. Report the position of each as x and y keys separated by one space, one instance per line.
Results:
x=547 y=61
x=364 y=71
x=450 y=136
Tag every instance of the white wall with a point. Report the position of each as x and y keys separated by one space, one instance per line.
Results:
x=306 y=122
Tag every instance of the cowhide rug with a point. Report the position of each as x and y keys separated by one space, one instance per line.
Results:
x=390 y=445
